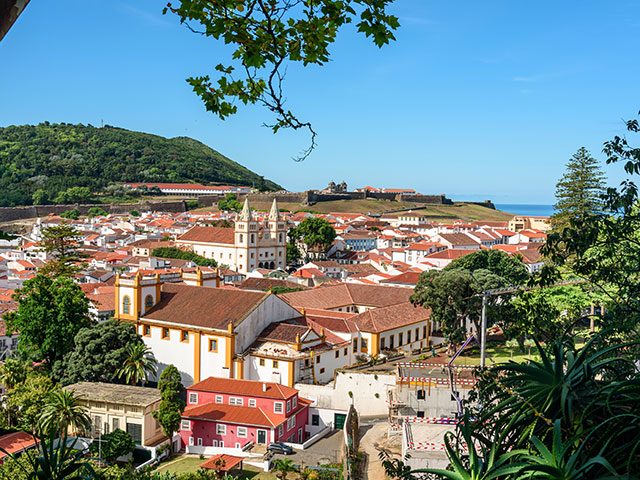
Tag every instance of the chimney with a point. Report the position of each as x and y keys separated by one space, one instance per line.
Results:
x=264 y=387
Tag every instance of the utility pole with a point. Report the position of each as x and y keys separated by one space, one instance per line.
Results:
x=483 y=331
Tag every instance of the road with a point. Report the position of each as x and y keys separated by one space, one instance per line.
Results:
x=373 y=429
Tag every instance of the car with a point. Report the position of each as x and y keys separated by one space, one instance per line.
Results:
x=279 y=447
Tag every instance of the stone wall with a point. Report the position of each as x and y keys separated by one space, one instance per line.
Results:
x=435 y=199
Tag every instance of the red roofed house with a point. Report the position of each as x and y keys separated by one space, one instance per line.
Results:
x=15 y=443
x=223 y=415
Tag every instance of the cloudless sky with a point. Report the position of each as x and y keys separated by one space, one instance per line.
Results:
x=478 y=100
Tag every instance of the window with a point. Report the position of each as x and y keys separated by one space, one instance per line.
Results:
x=199 y=442
x=185 y=425
x=355 y=345
x=420 y=394
x=252 y=255
x=146 y=329
x=126 y=305
x=391 y=341
x=318 y=359
x=214 y=443
x=400 y=337
x=262 y=362
x=184 y=336
x=315 y=420
x=280 y=240
x=381 y=343
x=322 y=370
x=424 y=332
x=240 y=239
x=135 y=430
x=346 y=352
x=288 y=406
x=221 y=429
x=280 y=430
x=364 y=344
x=337 y=353
x=115 y=424
x=253 y=237
x=165 y=333
x=190 y=440
x=148 y=302
x=252 y=402
x=242 y=432
x=218 y=398
x=291 y=422
x=238 y=445
x=417 y=333
x=221 y=443
x=409 y=336
x=275 y=364
x=277 y=407
x=193 y=397
x=235 y=401
x=213 y=345
x=294 y=402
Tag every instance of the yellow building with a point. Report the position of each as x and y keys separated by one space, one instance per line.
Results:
x=123 y=407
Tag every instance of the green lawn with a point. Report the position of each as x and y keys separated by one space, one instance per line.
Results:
x=190 y=464
x=496 y=354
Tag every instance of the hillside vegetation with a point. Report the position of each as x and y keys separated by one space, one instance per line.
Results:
x=46 y=160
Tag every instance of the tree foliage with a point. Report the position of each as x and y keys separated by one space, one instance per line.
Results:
x=268 y=35
x=171 y=406
x=173 y=252
x=25 y=403
x=314 y=232
x=230 y=204
x=63 y=411
x=38 y=163
x=139 y=364
x=579 y=190
x=99 y=352
x=603 y=246
x=510 y=267
x=50 y=313
x=113 y=445
x=60 y=243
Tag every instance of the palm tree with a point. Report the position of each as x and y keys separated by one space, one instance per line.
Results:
x=12 y=372
x=139 y=365
x=63 y=411
x=284 y=467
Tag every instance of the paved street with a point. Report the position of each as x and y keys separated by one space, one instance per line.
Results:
x=326 y=450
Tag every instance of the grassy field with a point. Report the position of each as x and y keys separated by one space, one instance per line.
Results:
x=497 y=354
x=190 y=464
x=463 y=211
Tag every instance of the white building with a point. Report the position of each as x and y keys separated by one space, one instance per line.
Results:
x=247 y=246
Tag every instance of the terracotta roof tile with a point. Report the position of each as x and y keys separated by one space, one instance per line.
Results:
x=209 y=235
x=206 y=307
x=15 y=442
x=381 y=319
x=250 y=388
x=334 y=296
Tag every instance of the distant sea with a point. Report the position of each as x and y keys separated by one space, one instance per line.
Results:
x=526 y=209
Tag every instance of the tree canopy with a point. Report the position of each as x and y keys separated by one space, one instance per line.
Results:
x=268 y=35
x=314 y=232
x=63 y=162
x=50 y=313
x=60 y=243
x=173 y=252
x=171 y=406
x=99 y=352
x=579 y=190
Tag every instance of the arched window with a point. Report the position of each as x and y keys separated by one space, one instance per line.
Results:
x=280 y=237
x=148 y=302
x=253 y=237
x=240 y=238
x=126 y=304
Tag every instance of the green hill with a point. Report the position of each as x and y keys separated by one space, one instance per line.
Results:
x=51 y=158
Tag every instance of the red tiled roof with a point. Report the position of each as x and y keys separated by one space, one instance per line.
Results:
x=409 y=278
x=334 y=296
x=382 y=319
x=206 y=307
x=450 y=253
x=209 y=235
x=250 y=388
x=222 y=462
x=15 y=442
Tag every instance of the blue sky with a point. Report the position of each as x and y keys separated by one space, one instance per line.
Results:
x=475 y=99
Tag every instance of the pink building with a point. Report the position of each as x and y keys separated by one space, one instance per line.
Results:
x=225 y=413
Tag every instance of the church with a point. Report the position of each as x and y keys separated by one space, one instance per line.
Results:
x=247 y=246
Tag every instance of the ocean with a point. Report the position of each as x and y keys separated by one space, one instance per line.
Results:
x=526 y=209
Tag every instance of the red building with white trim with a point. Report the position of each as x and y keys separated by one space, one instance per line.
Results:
x=224 y=413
